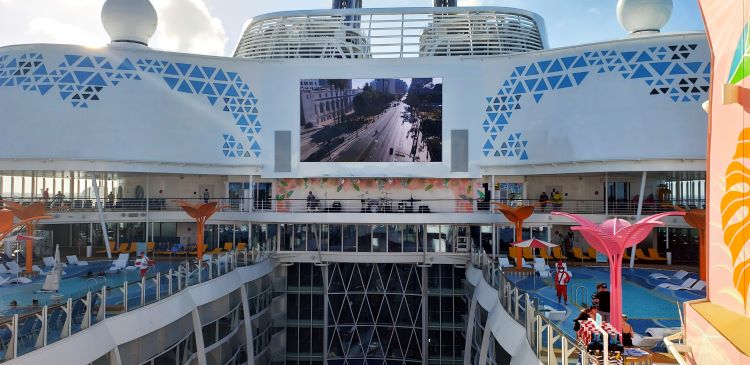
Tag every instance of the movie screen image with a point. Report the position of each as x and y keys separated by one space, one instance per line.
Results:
x=371 y=120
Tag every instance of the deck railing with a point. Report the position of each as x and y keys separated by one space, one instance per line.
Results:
x=392 y=33
x=399 y=204
x=37 y=328
x=549 y=342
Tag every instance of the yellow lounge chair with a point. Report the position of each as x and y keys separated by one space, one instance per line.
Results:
x=543 y=253
x=111 y=248
x=557 y=253
x=165 y=252
x=228 y=246
x=150 y=247
x=592 y=253
x=641 y=256
x=653 y=254
x=122 y=249
x=133 y=247
x=528 y=253
x=578 y=253
x=241 y=246
x=215 y=251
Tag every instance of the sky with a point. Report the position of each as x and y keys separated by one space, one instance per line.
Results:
x=213 y=26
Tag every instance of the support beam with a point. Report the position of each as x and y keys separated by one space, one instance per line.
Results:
x=638 y=214
x=470 y=326
x=200 y=345
x=100 y=208
x=249 y=343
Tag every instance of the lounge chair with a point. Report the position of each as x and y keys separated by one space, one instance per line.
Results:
x=592 y=253
x=504 y=262
x=578 y=254
x=228 y=246
x=544 y=253
x=133 y=248
x=557 y=253
x=73 y=261
x=4 y=280
x=552 y=313
x=241 y=246
x=677 y=276
x=542 y=269
x=48 y=261
x=13 y=267
x=122 y=249
x=215 y=251
x=641 y=256
x=38 y=269
x=120 y=263
x=699 y=285
x=684 y=286
x=528 y=253
x=111 y=248
x=526 y=264
x=150 y=247
x=652 y=253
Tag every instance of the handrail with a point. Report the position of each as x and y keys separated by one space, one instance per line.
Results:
x=58 y=321
x=551 y=344
x=676 y=349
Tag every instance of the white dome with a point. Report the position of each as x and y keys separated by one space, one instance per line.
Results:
x=643 y=15
x=129 y=20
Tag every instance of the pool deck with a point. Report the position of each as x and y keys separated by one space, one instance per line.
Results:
x=543 y=289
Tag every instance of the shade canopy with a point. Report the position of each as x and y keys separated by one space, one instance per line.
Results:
x=534 y=243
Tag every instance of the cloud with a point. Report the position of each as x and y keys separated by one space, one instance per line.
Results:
x=188 y=26
x=54 y=31
x=594 y=11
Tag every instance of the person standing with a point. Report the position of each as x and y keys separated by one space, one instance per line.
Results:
x=142 y=264
x=45 y=196
x=543 y=199
x=601 y=299
x=205 y=195
x=562 y=278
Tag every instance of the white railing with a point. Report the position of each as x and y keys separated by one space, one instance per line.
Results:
x=550 y=343
x=37 y=329
x=676 y=346
x=392 y=33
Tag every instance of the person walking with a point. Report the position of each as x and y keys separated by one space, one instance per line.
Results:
x=142 y=264
x=562 y=278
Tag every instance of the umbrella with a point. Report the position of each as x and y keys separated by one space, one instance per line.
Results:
x=535 y=243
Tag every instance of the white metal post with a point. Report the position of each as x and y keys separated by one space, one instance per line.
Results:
x=99 y=207
x=638 y=214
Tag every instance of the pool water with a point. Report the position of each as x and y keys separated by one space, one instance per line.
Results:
x=637 y=302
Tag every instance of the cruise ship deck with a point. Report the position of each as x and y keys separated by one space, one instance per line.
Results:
x=356 y=186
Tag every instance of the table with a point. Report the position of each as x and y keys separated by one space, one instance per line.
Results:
x=588 y=329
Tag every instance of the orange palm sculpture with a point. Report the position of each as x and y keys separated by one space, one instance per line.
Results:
x=696 y=218
x=27 y=216
x=201 y=213
x=516 y=216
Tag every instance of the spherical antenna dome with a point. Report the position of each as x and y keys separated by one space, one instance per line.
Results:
x=129 y=21
x=638 y=16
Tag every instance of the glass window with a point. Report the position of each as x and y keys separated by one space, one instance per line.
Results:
x=364 y=240
x=394 y=237
x=435 y=240
x=410 y=238
x=350 y=238
x=334 y=237
x=379 y=238
x=299 y=237
x=324 y=237
x=312 y=237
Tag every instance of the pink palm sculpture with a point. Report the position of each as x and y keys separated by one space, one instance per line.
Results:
x=612 y=238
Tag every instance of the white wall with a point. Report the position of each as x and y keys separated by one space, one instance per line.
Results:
x=142 y=125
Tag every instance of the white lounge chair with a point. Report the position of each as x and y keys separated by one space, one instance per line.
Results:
x=699 y=285
x=38 y=269
x=4 y=270
x=120 y=263
x=4 y=280
x=526 y=264
x=684 y=286
x=504 y=262
x=19 y=280
x=13 y=267
x=552 y=314
x=542 y=269
x=677 y=276
x=48 y=261
x=73 y=261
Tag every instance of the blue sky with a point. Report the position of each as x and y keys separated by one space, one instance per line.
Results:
x=213 y=26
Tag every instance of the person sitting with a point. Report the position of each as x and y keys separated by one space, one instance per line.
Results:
x=586 y=313
x=627 y=332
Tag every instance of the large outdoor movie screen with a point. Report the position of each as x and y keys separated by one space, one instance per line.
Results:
x=371 y=120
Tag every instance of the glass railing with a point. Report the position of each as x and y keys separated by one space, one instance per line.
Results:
x=549 y=342
x=369 y=205
x=35 y=329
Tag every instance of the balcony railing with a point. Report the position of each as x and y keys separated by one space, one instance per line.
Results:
x=35 y=328
x=392 y=33
x=381 y=205
x=550 y=343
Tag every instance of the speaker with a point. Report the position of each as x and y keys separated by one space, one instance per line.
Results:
x=460 y=150
x=282 y=161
